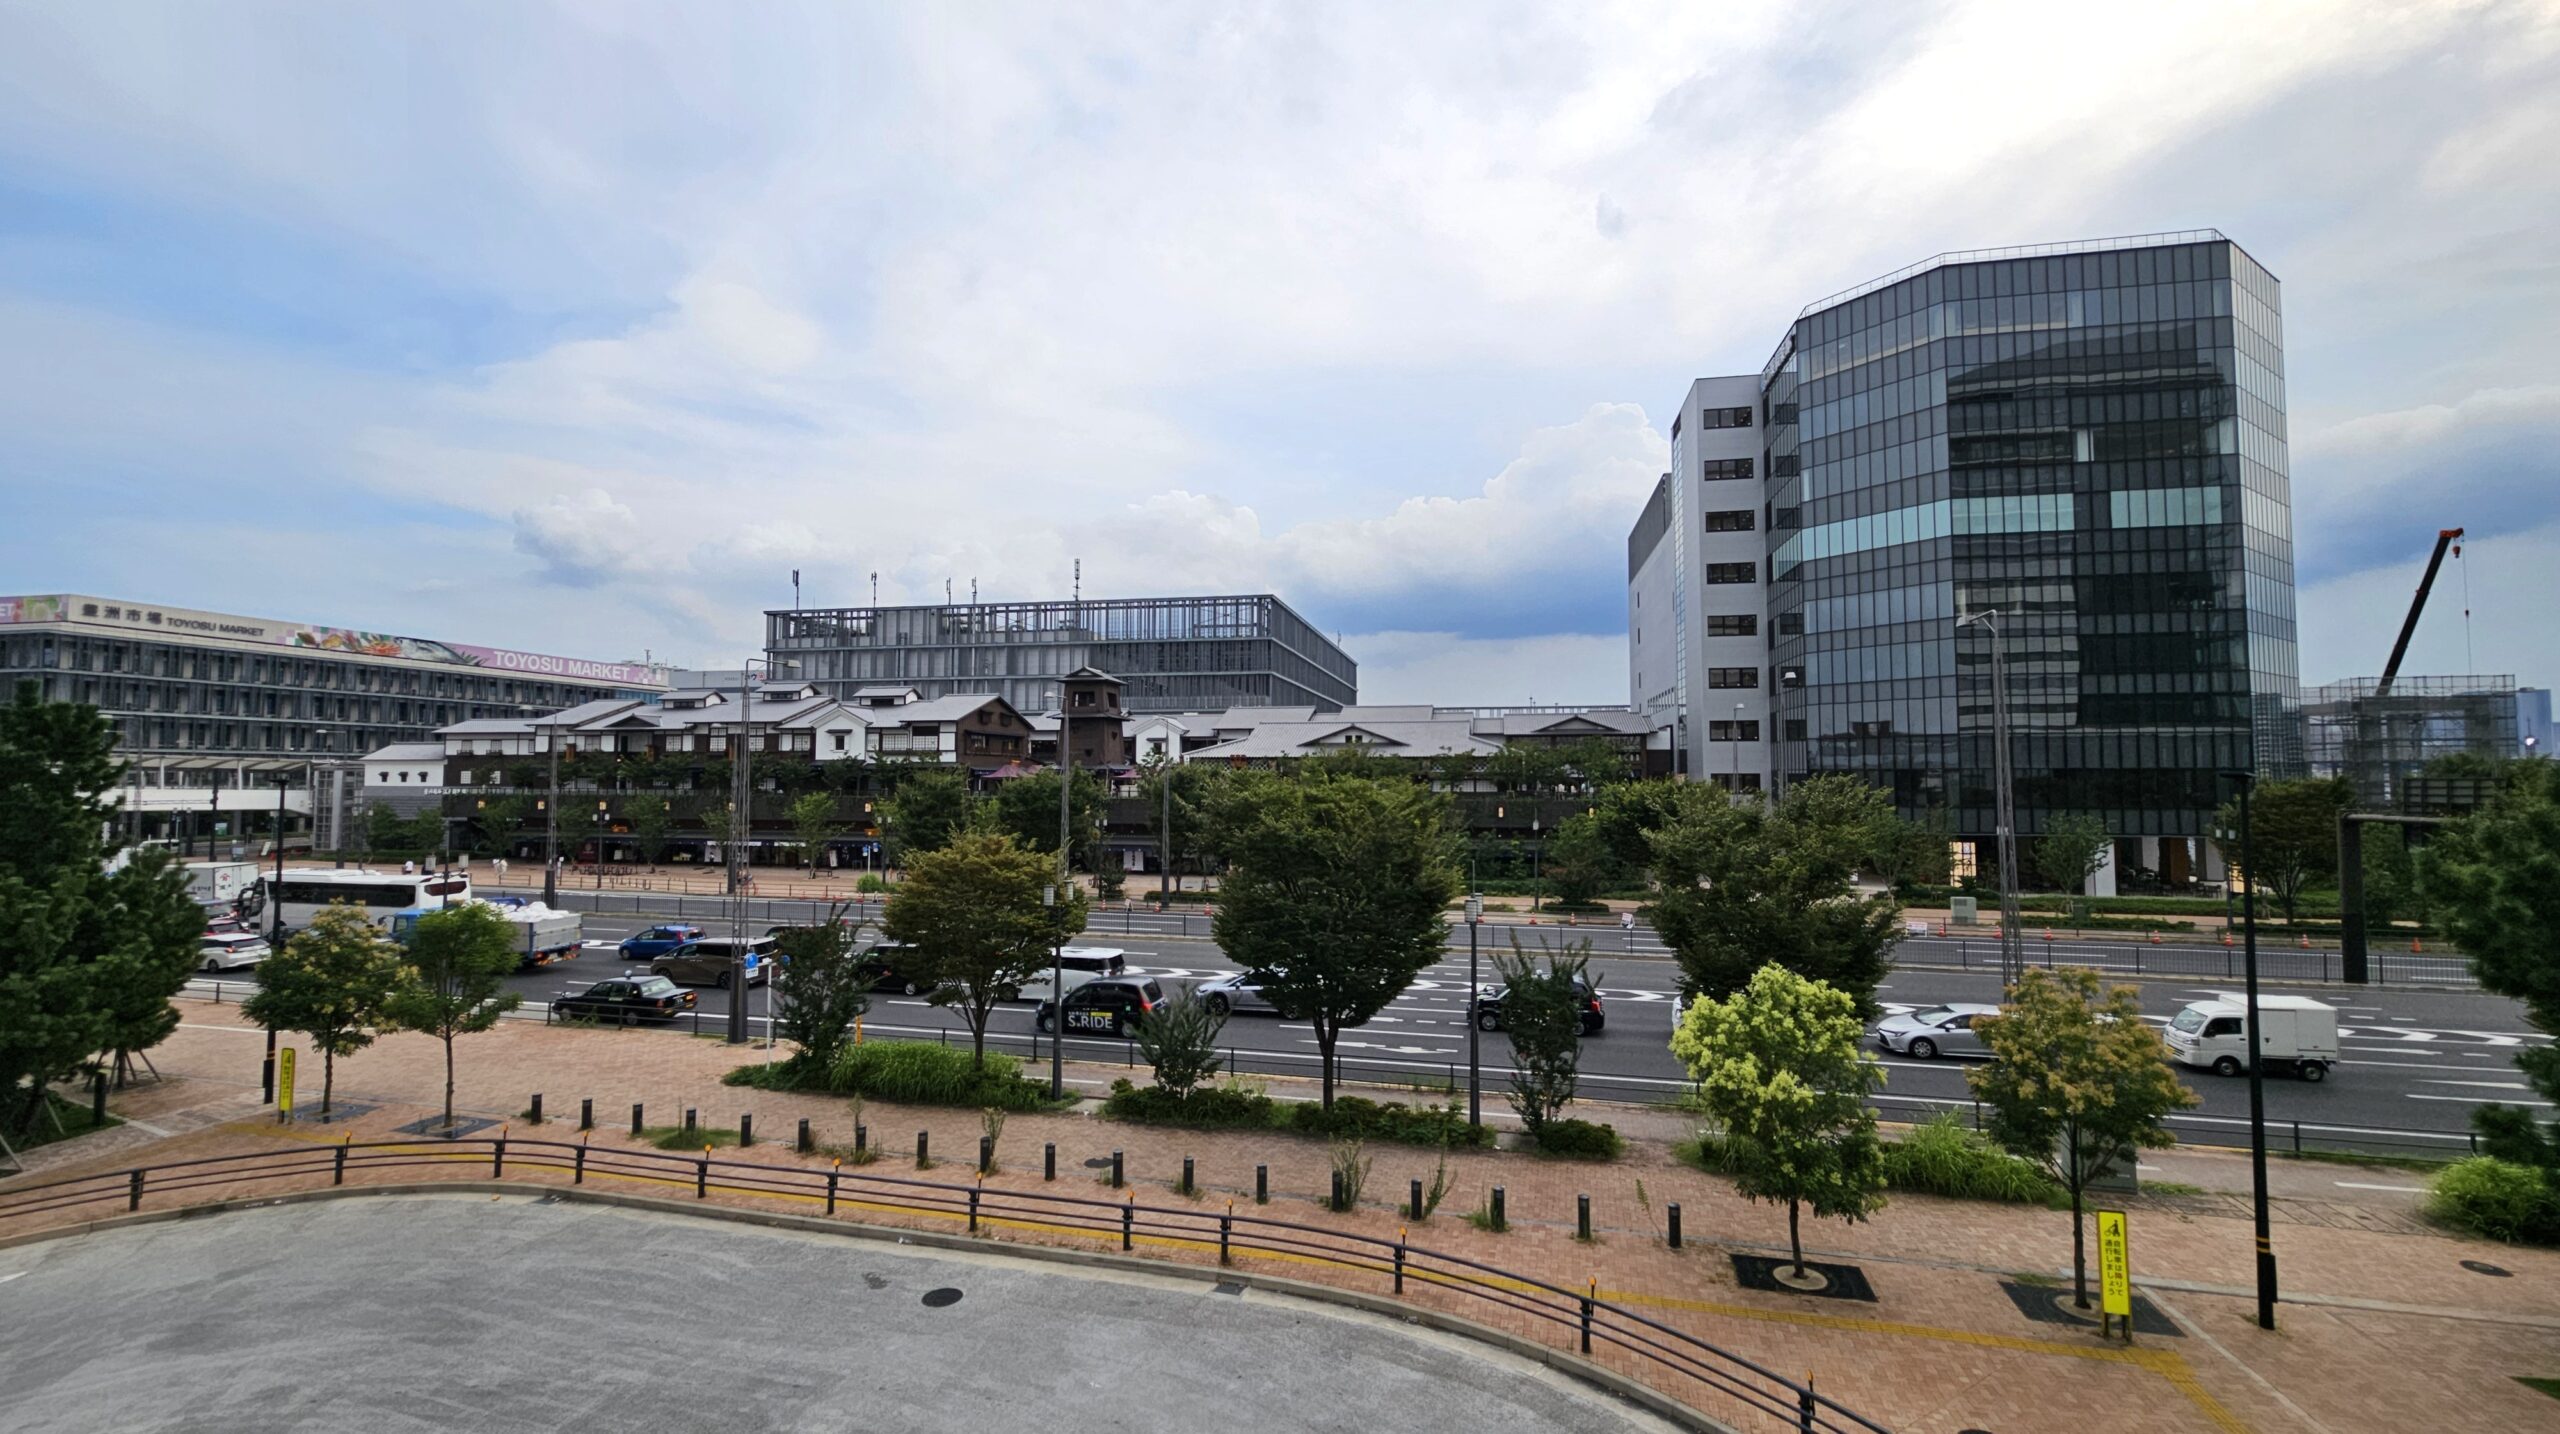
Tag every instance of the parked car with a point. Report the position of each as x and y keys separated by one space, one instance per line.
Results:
x=657 y=941
x=1079 y=964
x=1105 y=1006
x=1595 y=1017
x=1925 y=1035
x=711 y=961
x=1236 y=992
x=230 y=925
x=229 y=951
x=627 y=999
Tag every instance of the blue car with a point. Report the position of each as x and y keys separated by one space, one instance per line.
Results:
x=657 y=941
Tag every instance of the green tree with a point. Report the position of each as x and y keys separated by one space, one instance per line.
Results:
x=1628 y=815
x=1904 y=851
x=1334 y=893
x=2293 y=834
x=502 y=820
x=1179 y=1041
x=1778 y=1068
x=1455 y=771
x=813 y=821
x=972 y=912
x=2071 y=849
x=332 y=982
x=1744 y=883
x=1596 y=762
x=1542 y=1014
x=1578 y=860
x=1027 y=810
x=459 y=959
x=2076 y=1077
x=651 y=817
x=84 y=954
x=825 y=986
x=2391 y=891
x=1525 y=767
x=927 y=809
x=1191 y=783
x=2495 y=877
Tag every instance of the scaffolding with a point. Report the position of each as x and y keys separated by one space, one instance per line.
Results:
x=2382 y=743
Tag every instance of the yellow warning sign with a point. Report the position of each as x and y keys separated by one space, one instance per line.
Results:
x=284 y=1087
x=2115 y=1268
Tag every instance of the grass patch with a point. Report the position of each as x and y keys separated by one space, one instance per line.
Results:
x=676 y=1137
x=2418 y=1164
x=2498 y=1199
x=1239 y=1107
x=908 y=1073
x=2535 y=1381
x=2170 y=1187
x=75 y=1121
x=1578 y=1140
x=2036 y=1278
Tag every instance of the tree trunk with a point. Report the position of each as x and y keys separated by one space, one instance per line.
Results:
x=1795 y=1235
x=1325 y=1034
x=978 y=1029
x=448 y=1082
x=328 y=1078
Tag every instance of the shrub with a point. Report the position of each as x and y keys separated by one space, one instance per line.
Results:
x=1353 y=1117
x=1580 y=1140
x=2497 y=1198
x=1943 y=1157
x=871 y=881
x=915 y=1073
x=1206 y=1108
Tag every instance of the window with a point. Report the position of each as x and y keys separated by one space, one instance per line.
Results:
x=1795 y=729
x=1733 y=731
x=1724 y=417
x=1733 y=572
x=1743 y=624
x=1727 y=468
x=1783 y=466
x=1731 y=520
x=1733 y=677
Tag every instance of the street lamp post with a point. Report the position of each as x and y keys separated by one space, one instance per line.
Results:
x=275 y=909
x=2013 y=952
x=1066 y=874
x=2257 y=1087
x=1475 y=1068
x=741 y=822
x=551 y=823
x=1737 y=748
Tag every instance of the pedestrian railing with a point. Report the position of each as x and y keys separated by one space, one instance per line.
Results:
x=1719 y=1383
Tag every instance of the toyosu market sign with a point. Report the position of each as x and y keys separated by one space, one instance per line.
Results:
x=144 y=619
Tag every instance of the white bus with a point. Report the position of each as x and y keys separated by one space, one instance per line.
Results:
x=305 y=894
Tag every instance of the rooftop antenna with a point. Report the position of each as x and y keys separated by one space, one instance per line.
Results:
x=1079 y=588
x=973 y=592
x=946 y=592
x=795 y=589
x=875 y=587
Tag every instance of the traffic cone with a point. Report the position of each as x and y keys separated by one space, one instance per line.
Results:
x=2306 y=943
x=2226 y=938
x=2048 y=933
x=2416 y=947
x=1942 y=926
x=2155 y=938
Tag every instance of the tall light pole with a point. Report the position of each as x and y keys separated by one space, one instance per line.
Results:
x=1737 y=747
x=551 y=822
x=741 y=822
x=275 y=909
x=1164 y=834
x=1475 y=1068
x=2257 y=1087
x=1066 y=875
x=2013 y=949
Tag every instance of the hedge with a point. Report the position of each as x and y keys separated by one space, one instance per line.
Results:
x=2497 y=1198
x=907 y=1073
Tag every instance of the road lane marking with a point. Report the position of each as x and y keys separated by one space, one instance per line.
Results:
x=2397 y=1189
x=2477 y=1099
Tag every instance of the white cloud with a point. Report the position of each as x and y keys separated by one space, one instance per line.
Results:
x=1449 y=670
x=2506 y=582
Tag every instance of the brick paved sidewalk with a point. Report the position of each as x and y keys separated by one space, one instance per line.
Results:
x=2404 y=1336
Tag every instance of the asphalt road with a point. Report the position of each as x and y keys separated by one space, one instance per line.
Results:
x=2417 y=1060
x=469 y=1313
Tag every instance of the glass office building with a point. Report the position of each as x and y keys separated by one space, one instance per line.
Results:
x=1186 y=654
x=2087 y=440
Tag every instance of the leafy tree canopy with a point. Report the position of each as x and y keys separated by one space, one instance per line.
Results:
x=2495 y=877
x=972 y=912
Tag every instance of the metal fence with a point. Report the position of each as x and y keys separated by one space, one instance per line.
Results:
x=1701 y=1375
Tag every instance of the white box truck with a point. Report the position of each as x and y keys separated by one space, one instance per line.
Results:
x=2297 y=1035
x=217 y=884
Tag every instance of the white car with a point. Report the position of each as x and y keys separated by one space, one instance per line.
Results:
x=231 y=950
x=1235 y=993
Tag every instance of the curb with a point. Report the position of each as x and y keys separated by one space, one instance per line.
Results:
x=1632 y=1391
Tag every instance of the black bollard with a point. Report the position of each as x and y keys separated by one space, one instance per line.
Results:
x=1674 y=1212
x=689 y=1125
x=746 y=1130
x=1335 y=1204
x=1187 y=1186
x=1262 y=1185
x=587 y=1113
x=1116 y=1170
x=802 y=1144
x=635 y=1118
x=986 y=1155
x=1582 y=1217
x=924 y=1149
x=533 y=1116
x=98 y=1099
x=1049 y=1161
x=1414 y=1209
x=1501 y=1221
x=861 y=1139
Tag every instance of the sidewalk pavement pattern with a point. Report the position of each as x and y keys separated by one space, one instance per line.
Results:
x=2384 y=1326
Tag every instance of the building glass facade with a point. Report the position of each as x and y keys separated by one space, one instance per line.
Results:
x=2087 y=440
x=1193 y=654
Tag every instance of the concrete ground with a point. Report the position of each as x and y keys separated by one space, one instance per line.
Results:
x=469 y=1312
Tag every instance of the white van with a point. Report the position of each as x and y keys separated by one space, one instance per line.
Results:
x=2300 y=1035
x=1081 y=964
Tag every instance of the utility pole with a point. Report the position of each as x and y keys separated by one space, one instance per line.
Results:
x=1164 y=834
x=2257 y=1085
x=1475 y=1065
x=551 y=822
x=2013 y=942
x=1066 y=875
x=741 y=821
x=275 y=919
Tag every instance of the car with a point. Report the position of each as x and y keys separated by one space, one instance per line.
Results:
x=657 y=941
x=1595 y=1017
x=1079 y=964
x=1238 y=991
x=230 y=926
x=891 y=966
x=229 y=951
x=712 y=961
x=1934 y=1031
x=627 y=999
x=1104 y=1006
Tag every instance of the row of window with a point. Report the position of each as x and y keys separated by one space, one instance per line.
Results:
x=1733 y=677
x=1747 y=731
x=1725 y=417
x=1739 y=624
x=1716 y=468
x=1732 y=520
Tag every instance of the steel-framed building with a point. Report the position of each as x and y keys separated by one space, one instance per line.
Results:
x=1173 y=654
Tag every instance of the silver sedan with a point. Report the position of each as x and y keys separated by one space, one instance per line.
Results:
x=1236 y=992
x=1936 y=1031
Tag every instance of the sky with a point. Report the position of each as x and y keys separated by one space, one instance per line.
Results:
x=579 y=327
